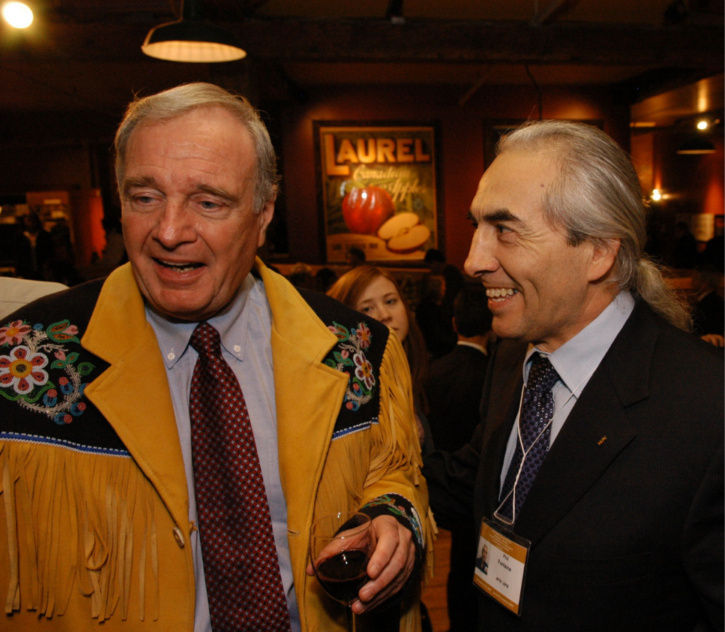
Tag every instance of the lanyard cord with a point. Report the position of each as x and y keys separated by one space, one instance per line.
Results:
x=524 y=453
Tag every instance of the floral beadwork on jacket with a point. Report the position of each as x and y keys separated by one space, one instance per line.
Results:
x=28 y=377
x=349 y=357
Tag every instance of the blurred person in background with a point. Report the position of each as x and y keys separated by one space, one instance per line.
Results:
x=325 y=279
x=433 y=317
x=708 y=312
x=355 y=257
x=114 y=252
x=301 y=276
x=34 y=248
x=454 y=388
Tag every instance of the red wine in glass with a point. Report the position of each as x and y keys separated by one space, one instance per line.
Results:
x=340 y=547
x=344 y=574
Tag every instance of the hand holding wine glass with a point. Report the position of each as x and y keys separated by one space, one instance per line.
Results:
x=340 y=547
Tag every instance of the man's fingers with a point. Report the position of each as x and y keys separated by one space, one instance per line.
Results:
x=390 y=566
x=388 y=541
x=373 y=599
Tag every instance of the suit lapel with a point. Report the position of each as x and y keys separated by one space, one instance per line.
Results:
x=501 y=401
x=595 y=432
x=133 y=393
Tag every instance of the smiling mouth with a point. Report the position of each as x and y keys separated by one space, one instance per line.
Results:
x=178 y=267
x=500 y=293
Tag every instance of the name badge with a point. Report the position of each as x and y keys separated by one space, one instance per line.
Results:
x=501 y=565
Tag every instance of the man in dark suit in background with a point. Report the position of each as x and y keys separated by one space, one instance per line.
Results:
x=596 y=473
x=453 y=389
x=455 y=381
x=708 y=312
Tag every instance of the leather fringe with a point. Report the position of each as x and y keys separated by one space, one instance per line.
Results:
x=69 y=521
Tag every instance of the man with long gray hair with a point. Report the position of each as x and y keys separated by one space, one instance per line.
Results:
x=595 y=477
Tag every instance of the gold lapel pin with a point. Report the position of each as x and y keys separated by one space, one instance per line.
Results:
x=602 y=440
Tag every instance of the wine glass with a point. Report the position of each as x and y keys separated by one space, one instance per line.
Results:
x=340 y=547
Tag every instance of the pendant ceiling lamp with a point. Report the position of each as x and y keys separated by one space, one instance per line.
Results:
x=191 y=39
x=696 y=146
x=696 y=137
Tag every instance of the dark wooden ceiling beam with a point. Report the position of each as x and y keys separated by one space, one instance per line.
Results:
x=685 y=46
x=560 y=43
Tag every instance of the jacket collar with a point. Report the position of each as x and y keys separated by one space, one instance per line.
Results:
x=133 y=393
x=134 y=397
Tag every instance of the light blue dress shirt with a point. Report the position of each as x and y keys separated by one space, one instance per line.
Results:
x=245 y=329
x=575 y=362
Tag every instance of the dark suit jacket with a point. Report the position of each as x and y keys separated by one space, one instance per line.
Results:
x=453 y=389
x=708 y=315
x=625 y=517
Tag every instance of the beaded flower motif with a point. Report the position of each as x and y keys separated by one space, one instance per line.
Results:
x=349 y=357
x=25 y=377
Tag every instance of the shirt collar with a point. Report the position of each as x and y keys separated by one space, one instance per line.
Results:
x=577 y=359
x=465 y=343
x=232 y=324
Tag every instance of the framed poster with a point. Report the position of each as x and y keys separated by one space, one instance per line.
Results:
x=379 y=191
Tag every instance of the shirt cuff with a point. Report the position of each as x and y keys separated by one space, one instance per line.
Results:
x=404 y=512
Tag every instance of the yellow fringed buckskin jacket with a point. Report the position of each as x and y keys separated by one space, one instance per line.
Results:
x=93 y=506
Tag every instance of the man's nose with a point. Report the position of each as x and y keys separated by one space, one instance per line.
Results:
x=481 y=256
x=175 y=225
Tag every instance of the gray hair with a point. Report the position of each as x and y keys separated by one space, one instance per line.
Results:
x=178 y=101
x=597 y=197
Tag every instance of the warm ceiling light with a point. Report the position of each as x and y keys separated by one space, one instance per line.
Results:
x=703 y=125
x=656 y=195
x=191 y=40
x=17 y=15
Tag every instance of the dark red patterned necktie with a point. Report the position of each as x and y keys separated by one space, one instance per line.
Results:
x=537 y=410
x=243 y=580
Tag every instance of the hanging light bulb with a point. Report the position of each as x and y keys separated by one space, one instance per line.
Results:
x=17 y=14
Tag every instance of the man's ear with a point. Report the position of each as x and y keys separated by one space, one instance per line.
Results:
x=265 y=217
x=604 y=254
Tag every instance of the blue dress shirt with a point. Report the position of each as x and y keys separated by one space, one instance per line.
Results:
x=245 y=328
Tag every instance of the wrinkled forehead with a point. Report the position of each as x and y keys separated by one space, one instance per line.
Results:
x=203 y=118
x=515 y=179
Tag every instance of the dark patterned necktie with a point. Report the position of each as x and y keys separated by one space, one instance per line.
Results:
x=243 y=580
x=537 y=409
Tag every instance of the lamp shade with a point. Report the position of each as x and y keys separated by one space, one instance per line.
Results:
x=191 y=40
x=696 y=145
